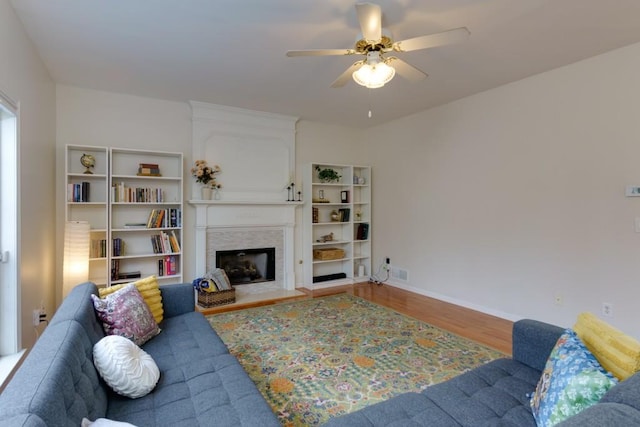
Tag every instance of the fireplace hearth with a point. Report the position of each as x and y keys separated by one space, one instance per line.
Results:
x=247 y=266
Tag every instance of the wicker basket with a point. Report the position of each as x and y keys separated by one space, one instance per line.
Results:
x=214 y=299
x=326 y=254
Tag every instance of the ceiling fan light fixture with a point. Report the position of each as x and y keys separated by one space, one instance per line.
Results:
x=374 y=74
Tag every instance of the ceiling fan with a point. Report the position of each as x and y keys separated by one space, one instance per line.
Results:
x=376 y=69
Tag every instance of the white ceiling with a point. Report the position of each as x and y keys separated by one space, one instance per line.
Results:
x=232 y=52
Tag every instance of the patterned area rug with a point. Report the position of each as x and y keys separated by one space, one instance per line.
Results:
x=325 y=357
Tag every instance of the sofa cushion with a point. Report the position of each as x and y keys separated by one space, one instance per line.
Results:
x=57 y=385
x=150 y=291
x=572 y=381
x=200 y=382
x=616 y=351
x=125 y=313
x=492 y=394
x=128 y=369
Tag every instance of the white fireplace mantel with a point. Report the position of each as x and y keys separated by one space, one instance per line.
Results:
x=220 y=214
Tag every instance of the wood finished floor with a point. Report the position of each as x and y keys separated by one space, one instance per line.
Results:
x=489 y=330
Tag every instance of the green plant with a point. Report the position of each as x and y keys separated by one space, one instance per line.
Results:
x=328 y=175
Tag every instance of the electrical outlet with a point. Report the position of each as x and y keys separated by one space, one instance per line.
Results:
x=39 y=316
x=607 y=309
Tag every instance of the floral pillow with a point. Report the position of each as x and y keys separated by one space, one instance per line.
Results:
x=572 y=380
x=125 y=313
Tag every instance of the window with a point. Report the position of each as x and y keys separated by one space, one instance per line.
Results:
x=9 y=229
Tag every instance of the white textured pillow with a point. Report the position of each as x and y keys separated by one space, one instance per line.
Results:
x=127 y=368
x=104 y=422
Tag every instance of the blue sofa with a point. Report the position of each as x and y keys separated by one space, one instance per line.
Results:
x=496 y=394
x=200 y=382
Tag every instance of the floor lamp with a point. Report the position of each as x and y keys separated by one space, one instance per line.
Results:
x=75 y=269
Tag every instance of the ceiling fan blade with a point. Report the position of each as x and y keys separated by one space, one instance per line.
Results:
x=370 y=18
x=432 y=40
x=320 y=52
x=407 y=71
x=346 y=76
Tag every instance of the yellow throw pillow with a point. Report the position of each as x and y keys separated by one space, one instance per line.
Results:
x=616 y=351
x=148 y=288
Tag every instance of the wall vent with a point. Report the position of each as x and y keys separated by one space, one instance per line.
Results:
x=399 y=274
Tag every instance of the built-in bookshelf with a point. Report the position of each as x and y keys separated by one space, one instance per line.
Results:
x=145 y=215
x=337 y=225
x=133 y=203
x=87 y=199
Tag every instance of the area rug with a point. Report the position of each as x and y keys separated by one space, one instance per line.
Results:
x=325 y=357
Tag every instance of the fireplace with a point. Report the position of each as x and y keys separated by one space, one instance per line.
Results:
x=246 y=266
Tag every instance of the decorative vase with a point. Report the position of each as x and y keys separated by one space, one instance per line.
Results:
x=206 y=193
x=216 y=194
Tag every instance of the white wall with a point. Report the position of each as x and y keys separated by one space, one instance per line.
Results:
x=506 y=199
x=24 y=79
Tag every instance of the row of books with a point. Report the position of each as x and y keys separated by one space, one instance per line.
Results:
x=98 y=248
x=121 y=193
x=78 y=192
x=117 y=247
x=165 y=243
x=168 y=266
x=149 y=169
x=164 y=218
x=343 y=215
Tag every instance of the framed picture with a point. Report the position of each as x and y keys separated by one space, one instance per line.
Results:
x=344 y=196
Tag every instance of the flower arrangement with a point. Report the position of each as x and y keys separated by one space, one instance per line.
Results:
x=206 y=174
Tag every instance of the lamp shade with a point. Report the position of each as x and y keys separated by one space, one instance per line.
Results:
x=75 y=269
x=374 y=73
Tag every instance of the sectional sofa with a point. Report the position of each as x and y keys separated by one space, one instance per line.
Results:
x=498 y=394
x=200 y=382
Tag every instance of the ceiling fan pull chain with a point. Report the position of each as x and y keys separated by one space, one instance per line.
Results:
x=369 y=96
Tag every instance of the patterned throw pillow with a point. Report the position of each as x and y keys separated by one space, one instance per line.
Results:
x=125 y=313
x=148 y=288
x=572 y=380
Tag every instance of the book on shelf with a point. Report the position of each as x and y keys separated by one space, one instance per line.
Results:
x=130 y=275
x=362 y=232
x=115 y=269
x=165 y=243
x=98 y=248
x=148 y=169
x=344 y=214
x=121 y=193
x=117 y=246
x=78 y=193
x=135 y=225
x=164 y=218
x=167 y=266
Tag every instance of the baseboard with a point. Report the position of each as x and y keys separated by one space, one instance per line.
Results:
x=466 y=304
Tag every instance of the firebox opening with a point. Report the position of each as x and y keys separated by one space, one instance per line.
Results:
x=244 y=266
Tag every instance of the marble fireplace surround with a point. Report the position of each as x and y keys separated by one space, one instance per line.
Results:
x=228 y=225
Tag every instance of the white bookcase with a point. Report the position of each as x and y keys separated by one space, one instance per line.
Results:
x=118 y=202
x=93 y=207
x=134 y=200
x=351 y=196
